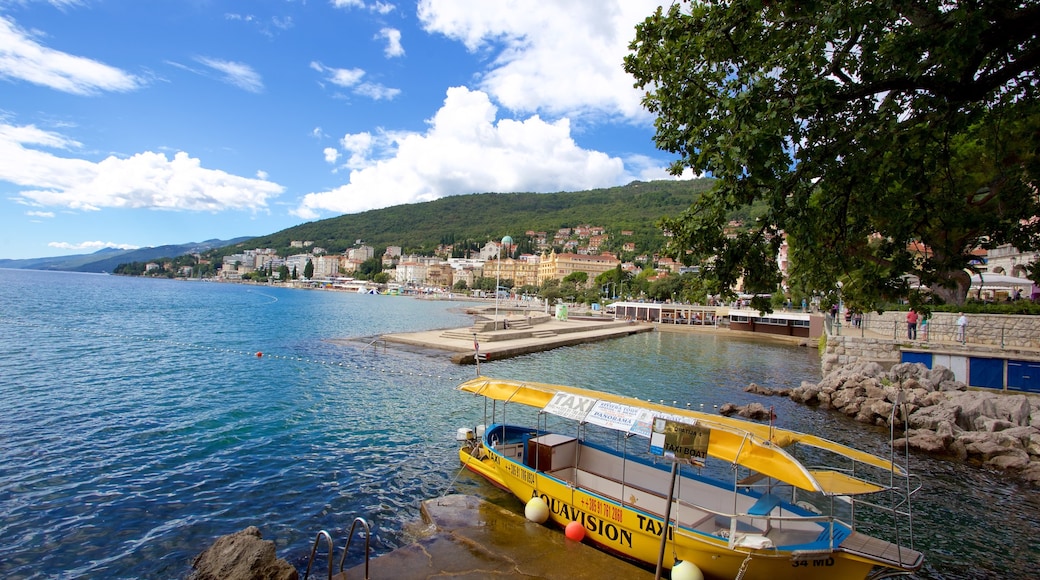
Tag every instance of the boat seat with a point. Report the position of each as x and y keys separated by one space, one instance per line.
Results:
x=840 y=533
x=764 y=505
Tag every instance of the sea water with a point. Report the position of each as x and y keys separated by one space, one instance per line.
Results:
x=141 y=419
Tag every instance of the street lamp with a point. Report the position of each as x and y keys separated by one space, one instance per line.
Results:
x=498 y=277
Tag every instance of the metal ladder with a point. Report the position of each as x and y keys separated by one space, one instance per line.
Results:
x=342 y=560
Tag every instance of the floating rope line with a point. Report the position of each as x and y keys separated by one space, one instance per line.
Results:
x=251 y=354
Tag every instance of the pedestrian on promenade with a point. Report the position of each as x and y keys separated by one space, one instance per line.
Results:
x=924 y=326
x=805 y=305
x=911 y=325
x=962 y=325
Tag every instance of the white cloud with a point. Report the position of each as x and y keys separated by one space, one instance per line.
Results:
x=465 y=150
x=351 y=79
x=41 y=214
x=235 y=73
x=22 y=58
x=393 y=42
x=145 y=180
x=563 y=60
x=91 y=245
x=331 y=154
x=377 y=7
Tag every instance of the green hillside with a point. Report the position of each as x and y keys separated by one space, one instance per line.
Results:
x=476 y=219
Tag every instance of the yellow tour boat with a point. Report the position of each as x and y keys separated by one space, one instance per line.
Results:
x=675 y=487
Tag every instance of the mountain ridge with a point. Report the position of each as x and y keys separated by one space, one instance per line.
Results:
x=106 y=259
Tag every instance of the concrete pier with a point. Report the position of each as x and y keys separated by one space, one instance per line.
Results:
x=472 y=538
x=508 y=336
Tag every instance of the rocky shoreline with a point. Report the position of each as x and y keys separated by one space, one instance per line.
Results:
x=944 y=418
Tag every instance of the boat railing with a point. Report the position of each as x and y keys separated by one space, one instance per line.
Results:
x=899 y=509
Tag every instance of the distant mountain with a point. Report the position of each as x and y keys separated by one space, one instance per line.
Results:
x=106 y=259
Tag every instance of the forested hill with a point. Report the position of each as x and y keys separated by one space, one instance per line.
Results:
x=478 y=218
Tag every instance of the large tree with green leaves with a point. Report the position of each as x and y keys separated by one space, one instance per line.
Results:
x=887 y=138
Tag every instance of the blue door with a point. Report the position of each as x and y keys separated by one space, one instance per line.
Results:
x=924 y=358
x=1023 y=376
x=986 y=372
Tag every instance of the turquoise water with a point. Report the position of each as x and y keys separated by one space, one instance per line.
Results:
x=137 y=423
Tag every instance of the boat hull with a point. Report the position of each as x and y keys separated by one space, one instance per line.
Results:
x=634 y=534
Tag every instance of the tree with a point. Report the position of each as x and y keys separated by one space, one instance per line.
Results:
x=368 y=269
x=577 y=278
x=308 y=270
x=885 y=138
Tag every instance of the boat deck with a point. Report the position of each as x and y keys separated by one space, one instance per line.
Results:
x=894 y=554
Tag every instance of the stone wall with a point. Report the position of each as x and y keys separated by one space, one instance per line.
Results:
x=843 y=351
x=997 y=330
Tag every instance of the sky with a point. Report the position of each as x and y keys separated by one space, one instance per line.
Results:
x=130 y=123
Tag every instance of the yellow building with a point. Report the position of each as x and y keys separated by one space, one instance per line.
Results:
x=555 y=266
x=521 y=272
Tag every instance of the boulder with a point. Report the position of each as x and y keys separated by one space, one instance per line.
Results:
x=1031 y=473
x=1013 y=408
x=754 y=411
x=971 y=407
x=242 y=555
x=1013 y=459
x=922 y=440
x=757 y=389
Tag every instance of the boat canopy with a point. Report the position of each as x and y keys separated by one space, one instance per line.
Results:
x=752 y=445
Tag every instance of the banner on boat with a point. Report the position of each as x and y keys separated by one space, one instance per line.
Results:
x=681 y=441
x=568 y=406
x=617 y=416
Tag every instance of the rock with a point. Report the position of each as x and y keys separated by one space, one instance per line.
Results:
x=972 y=406
x=760 y=390
x=1031 y=473
x=922 y=440
x=1014 y=408
x=241 y=556
x=729 y=409
x=931 y=417
x=986 y=446
x=1014 y=458
x=754 y=411
x=992 y=425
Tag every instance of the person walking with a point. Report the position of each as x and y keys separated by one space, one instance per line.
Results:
x=962 y=327
x=911 y=325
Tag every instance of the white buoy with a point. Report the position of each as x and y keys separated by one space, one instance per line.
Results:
x=537 y=510
x=686 y=570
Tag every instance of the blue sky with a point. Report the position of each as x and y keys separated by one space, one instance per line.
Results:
x=130 y=123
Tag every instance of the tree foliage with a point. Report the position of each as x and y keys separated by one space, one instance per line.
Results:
x=886 y=138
